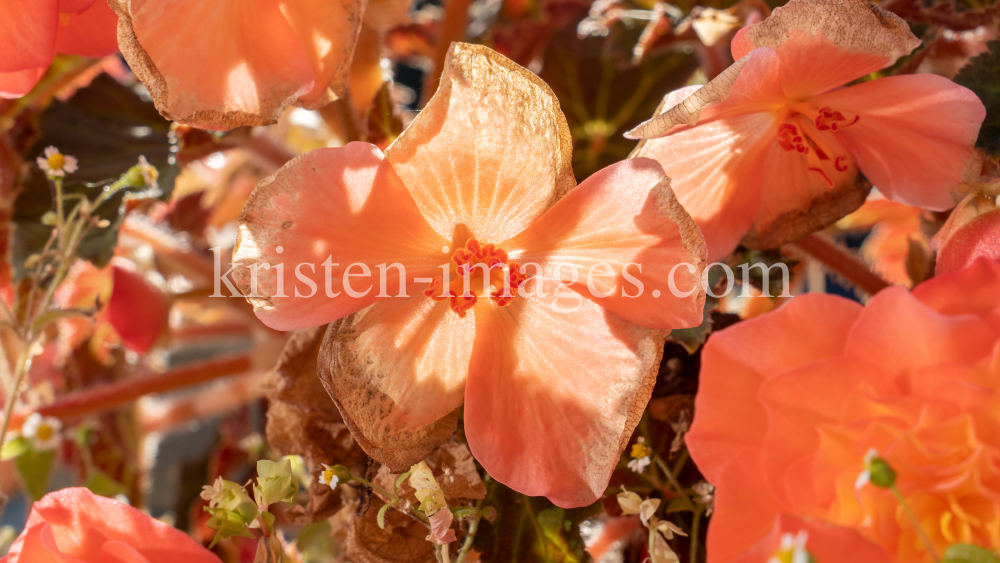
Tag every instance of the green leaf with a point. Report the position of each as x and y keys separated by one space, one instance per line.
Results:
x=35 y=467
x=107 y=127
x=982 y=76
x=968 y=553
x=14 y=448
x=100 y=484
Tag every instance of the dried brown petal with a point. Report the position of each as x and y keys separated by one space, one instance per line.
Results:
x=302 y=420
x=404 y=540
x=824 y=211
x=453 y=467
x=857 y=25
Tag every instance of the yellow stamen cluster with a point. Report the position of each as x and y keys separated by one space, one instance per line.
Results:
x=57 y=161
x=640 y=450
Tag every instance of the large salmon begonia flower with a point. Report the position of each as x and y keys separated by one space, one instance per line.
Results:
x=31 y=33
x=771 y=149
x=242 y=63
x=479 y=188
x=790 y=405
x=76 y=526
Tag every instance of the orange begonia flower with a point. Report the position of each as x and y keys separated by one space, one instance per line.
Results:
x=76 y=526
x=31 y=33
x=771 y=149
x=972 y=232
x=895 y=229
x=790 y=403
x=554 y=377
x=245 y=62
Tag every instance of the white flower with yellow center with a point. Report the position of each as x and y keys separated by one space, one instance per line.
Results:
x=56 y=164
x=640 y=454
x=792 y=549
x=328 y=477
x=43 y=431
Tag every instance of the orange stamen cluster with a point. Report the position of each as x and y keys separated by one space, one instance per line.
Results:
x=468 y=275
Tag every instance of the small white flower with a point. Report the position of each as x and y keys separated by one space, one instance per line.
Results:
x=792 y=549
x=55 y=164
x=328 y=478
x=639 y=464
x=865 y=476
x=43 y=431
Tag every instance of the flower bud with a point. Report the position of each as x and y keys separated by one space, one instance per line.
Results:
x=882 y=475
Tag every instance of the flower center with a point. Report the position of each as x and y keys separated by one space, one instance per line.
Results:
x=801 y=132
x=792 y=549
x=57 y=161
x=44 y=432
x=476 y=270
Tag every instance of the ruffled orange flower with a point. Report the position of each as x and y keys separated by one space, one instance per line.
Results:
x=31 y=33
x=76 y=526
x=789 y=404
x=222 y=65
x=554 y=377
x=771 y=149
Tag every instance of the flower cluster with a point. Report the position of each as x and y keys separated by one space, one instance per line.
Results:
x=900 y=393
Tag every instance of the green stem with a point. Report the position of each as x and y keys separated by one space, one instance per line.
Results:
x=470 y=536
x=392 y=498
x=21 y=370
x=681 y=460
x=916 y=523
x=695 y=529
x=60 y=215
x=673 y=480
x=542 y=540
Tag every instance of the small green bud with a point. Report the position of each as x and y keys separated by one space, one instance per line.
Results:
x=882 y=475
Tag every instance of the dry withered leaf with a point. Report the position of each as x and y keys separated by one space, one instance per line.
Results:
x=454 y=469
x=670 y=409
x=404 y=540
x=302 y=420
